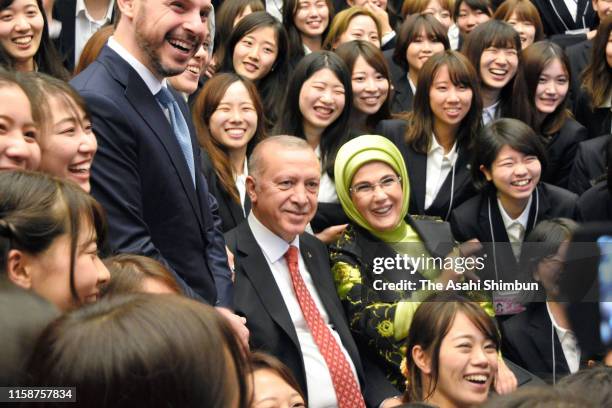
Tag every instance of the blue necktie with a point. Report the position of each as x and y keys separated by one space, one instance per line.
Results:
x=179 y=127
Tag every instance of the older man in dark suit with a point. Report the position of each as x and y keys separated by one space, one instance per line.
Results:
x=146 y=173
x=284 y=284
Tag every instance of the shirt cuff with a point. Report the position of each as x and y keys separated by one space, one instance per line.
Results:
x=386 y=38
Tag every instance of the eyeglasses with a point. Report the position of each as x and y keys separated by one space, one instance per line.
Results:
x=366 y=189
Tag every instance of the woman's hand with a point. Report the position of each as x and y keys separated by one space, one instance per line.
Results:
x=331 y=234
x=505 y=381
x=381 y=15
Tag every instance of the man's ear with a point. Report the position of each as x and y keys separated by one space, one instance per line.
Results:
x=421 y=359
x=486 y=172
x=127 y=8
x=17 y=269
x=250 y=189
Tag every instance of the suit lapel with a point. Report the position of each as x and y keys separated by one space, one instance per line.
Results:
x=417 y=171
x=542 y=330
x=403 y=94
x=258 y=272
x=564 y=14
x=462 y=177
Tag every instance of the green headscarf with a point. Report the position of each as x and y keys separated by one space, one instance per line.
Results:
x=354 y=154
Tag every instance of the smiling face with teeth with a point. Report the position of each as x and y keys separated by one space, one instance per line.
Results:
x=467 y=366
x=311 y=17
x=321 y=101
x=68 y=144
x=370 y=87
x=187 y=82
x=21 y=26
x=167 y=33
x=449 y=102
x=255 y=53
x=498 y=66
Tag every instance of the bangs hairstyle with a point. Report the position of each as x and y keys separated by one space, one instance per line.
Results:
x=226 y=15
x=271 y=86
x=525 y=11
x=296 y=47
x=497 y=134
x=534 y=59
x=42 y=87
x=263 y=361
x=597 y=77
x=349 y=52
x=129 y=271
x=9 y=79
x=411 y=29
x=37 y=208
x=419 y=6
x=482 y=5
x=204 y=106
x=341 y=22
x=290 y=122
x=46 y=58
x=421 y=119
x=431 y=323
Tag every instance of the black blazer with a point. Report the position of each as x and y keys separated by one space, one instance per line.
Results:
x=401 y=97
x=416 y=163
x=258 y=298
x=526 y=340
x=561 y=151
x=141 y=178
x=589 y=164
x=579 y=56
x=595 y=204
x=598 y=121
x=557 y=19
x=230 y=211
x=471 y=220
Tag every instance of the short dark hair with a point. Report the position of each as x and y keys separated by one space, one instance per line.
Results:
x=594 y=383
x=143 y=350
x=525 y=11
x=482 y=5
x=263 y=361
x=497 y=134
x=543 y=396
x=411 y=28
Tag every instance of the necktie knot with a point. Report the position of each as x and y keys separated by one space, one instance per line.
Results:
x=291 y=256
x=164 y=96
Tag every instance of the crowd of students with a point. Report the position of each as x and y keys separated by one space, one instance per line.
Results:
x=194 y=199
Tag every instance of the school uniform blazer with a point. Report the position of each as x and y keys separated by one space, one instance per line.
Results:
x=141 y=178
x=598 y=121
x=230 y=211
x=561 y=151
x=557 y=19
x=595 y=204
x=526 y=340
x=589 y=165
x=416 y=163
x=402 y=96
x=471 y=220
x=258 y=298
x=579 y=56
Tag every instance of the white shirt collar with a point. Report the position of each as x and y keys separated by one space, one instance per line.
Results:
x=273 y=246
x=437 y=146
x=412 y=85
x=80 y=8
x=490 y=113
x=522 y=219
x=147 y=76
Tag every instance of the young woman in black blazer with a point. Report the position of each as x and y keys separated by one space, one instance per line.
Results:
x=419 y=38
x=596 y=203
x=541 y=93
x=507 y=164
x=229 y=121
x=436 y=135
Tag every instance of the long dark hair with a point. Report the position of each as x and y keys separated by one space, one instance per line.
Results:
x=597 y=77
x=296 y=48
x=271 y=87
x=46 y=58
x=498 y=34
x=349 y=52
x=291 y=120
x=421 y=119
x=225 y=16
x=535 y=58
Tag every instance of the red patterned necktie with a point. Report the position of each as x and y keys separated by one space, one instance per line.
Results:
x=345 y=384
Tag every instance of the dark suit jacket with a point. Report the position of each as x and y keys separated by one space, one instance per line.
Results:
x=416 y=163
x=595 y=204
x=589 y=164
x=557 y=19
x=579 y=56
x=141 y=178
x=269 y=322
x=561 y=150
x=65 y=12
x=402 y=92
x=526 y=340
x=229 y=210
x=598 y=121
x=471 y=220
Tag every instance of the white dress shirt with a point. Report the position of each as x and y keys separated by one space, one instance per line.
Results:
x=275 y=7
x=321 y=393
x=147 y=76
x=327 y=187
x=438 y=167
x=572 y=7
x=490 y=113
x=241 y=185
x=515 y=228
x=85 y=26
x=569 y=344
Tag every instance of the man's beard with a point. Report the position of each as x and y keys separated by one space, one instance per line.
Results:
x=152 y=52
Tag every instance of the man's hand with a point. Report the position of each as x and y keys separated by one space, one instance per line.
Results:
x=238 y=325
x=331 y=234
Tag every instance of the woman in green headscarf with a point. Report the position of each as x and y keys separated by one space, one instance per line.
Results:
x=385 y=254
